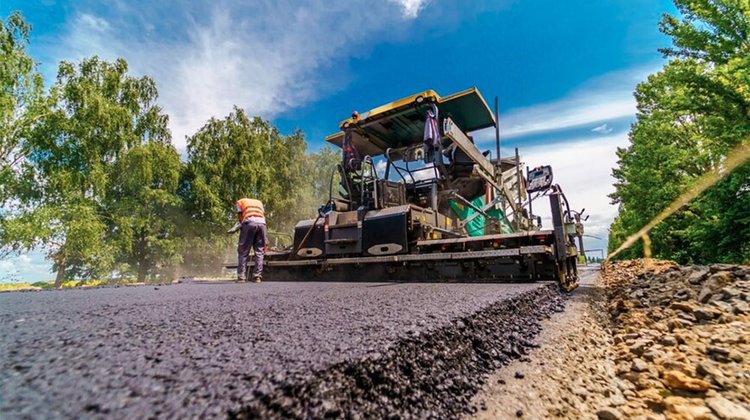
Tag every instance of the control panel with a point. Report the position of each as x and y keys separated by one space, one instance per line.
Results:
x=539 y=179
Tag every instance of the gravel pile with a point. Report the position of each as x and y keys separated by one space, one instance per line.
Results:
x=681 y=339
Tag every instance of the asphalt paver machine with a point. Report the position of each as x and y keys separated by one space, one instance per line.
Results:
x=414 y=199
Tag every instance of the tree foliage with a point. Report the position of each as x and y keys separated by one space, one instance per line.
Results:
x=240 y=157
x=21 y=97
x=89 y=173
x=323 y=168
x=80 y=155
x=144 y=208
x=21 y=105
x=690 y=115
x=237 y=157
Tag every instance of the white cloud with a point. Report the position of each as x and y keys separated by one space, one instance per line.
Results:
x=583 y=168
x=380 y=167
x=266 y=57
x=608 y=97
x=87 y=35
x=421 y=172
x=93 y=22
x=28 y=267
x=410 y=8
x=602 y=129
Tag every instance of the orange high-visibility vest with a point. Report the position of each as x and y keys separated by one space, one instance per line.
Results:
x=249 y=207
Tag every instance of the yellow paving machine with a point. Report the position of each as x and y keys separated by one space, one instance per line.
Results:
x=415 y=200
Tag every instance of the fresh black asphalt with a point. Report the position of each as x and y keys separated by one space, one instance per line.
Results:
x=260 y=350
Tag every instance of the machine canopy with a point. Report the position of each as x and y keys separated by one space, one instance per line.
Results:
x=401 y=123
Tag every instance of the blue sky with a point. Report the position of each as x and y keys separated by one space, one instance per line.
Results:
x=564 y=71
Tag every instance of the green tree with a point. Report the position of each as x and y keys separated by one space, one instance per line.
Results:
x=323 y=167
x=22 y=103
x=98 y=115
x=227 y=160
x=690 y=115
x=289 y=195
x=144 y=208
x=240 y=157
x=21 y=96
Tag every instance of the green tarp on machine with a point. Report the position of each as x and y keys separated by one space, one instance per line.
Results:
x=476 y=226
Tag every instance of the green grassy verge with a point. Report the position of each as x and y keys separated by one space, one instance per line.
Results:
x=17 y=286
x=5 y=287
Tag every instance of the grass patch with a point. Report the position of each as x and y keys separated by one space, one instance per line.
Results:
x=69 y=284
x=80 y=283
x=16 y=286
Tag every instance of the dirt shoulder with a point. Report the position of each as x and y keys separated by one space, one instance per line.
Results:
x=570 y=374
x=647 y=339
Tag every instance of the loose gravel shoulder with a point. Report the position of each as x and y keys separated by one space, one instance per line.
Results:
x=682 y=339
x=275 y=349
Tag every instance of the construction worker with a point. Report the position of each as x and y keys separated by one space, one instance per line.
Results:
x=252 y=218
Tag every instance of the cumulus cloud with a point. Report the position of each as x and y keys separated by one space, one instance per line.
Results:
x=93 y=22
x=602 y=129
x=583 y=168
x=206 y=56
x=380 y=165
x=28 y=267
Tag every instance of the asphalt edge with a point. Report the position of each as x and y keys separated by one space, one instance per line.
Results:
x=429 y=375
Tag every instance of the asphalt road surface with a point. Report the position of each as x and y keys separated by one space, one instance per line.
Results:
x=273 y=349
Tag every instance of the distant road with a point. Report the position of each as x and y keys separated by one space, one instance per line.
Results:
x=204 y=349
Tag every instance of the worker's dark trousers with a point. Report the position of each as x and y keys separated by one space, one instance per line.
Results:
x=252 y=235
